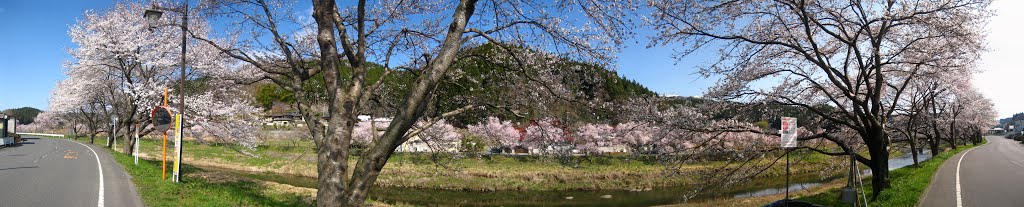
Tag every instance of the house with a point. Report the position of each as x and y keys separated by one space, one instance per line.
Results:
x=284 y=119
x=415 y=144
x=996 y=130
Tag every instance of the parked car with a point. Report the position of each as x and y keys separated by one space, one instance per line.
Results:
x=1013 y=135
x=1019 y=136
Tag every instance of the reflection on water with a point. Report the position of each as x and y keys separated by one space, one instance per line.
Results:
x=660 y=196
x=906 y=159
x=772 y=191
x=902 y=161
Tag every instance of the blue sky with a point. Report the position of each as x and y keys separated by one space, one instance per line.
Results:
x=34 y=41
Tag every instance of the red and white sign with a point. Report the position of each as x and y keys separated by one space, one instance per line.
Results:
x=788 y=131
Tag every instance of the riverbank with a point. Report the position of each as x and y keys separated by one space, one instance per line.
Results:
x=907 y=184
x=487 y=173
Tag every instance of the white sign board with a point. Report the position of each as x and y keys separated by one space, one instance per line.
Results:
x=788 y=131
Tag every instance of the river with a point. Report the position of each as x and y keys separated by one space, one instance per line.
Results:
x=659 y=196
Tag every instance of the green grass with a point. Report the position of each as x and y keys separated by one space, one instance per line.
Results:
x=907 y=184
x=196 y=190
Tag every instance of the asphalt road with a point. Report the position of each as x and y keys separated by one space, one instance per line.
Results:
x=989 y=175
x=56 y=172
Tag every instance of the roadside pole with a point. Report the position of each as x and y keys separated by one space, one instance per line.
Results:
x=135 y=151
x=176 y=175
x=115 y=133
x=787 y=177
x=109 y=139
x=788 y=141
x=161 y=119
x=163 y=165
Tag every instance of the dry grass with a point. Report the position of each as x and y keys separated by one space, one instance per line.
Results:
x=479 y=174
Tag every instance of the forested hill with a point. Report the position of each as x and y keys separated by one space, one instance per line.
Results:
x=510 y=93
x=25 y=115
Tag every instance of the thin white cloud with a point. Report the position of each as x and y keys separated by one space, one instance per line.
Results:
x=1002 y=66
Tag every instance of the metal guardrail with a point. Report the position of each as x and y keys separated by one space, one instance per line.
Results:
x=41 y=134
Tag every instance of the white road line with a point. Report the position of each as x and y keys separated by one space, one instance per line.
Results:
x=44 y=156
x=959 y=198
x=99 y=201
x=1018 y=164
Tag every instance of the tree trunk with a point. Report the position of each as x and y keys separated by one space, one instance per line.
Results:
x=332 y=156
x=933 y=144
x=952 y=133
x=129 y=141
x=110 y=137
x=879 y=160
x=913 y=149
x=879 y=169
x=331 y=174
x=412 y=109
x=936 y=136
x=952 y=142
x=879 y=172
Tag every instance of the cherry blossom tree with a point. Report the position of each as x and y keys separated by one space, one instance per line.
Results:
x=79 y=102
x=122 y=64
x=546 y=135
x=638 y=136
x=591 y=137
x=45 y=122
x=439 y=135
x=226 y=114
x=366 y=132
x=856 y=56
x=421 y=36
x=494 y=130
x=123 y=60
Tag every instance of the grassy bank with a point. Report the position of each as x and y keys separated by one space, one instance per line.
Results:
x=489 y=173
x=210 y=188
x=907 y=184
x=202 y=188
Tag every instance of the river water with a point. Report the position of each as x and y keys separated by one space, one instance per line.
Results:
x=659 y=196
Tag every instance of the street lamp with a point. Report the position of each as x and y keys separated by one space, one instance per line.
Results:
x=153 y=16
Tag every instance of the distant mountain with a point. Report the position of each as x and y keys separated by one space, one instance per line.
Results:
x=1010 y=120
x=25 y=115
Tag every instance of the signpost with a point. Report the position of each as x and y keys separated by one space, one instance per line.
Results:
x=176 y=175
x=788 y=141
x=788 y=132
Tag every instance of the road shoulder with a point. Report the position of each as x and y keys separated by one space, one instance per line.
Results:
x=941 y=190
x=119 y=190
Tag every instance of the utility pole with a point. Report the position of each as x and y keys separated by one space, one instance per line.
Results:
x=181 y=88
x=153 y=15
